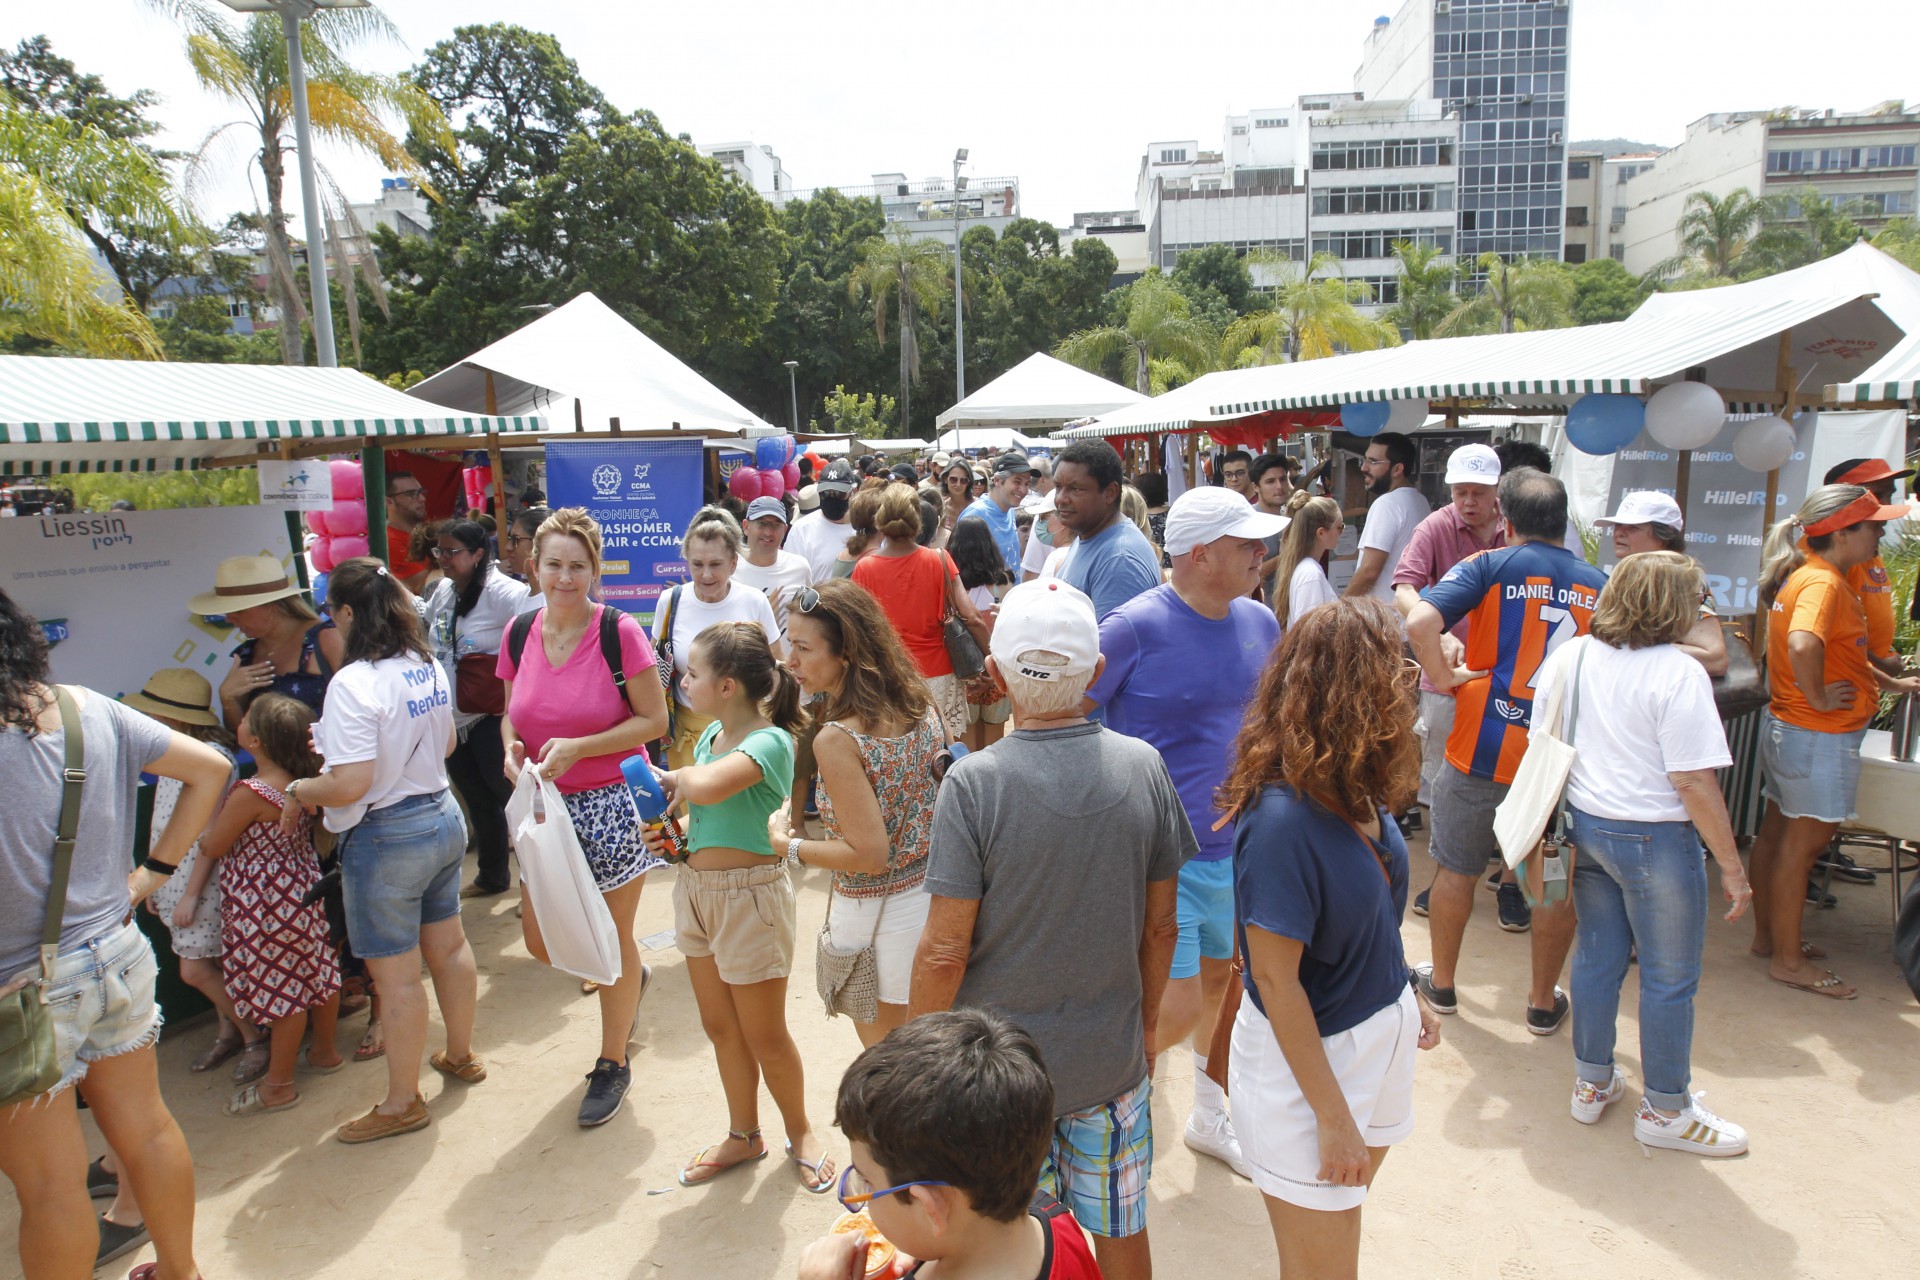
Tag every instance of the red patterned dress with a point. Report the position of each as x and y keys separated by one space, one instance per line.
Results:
x=277 y=959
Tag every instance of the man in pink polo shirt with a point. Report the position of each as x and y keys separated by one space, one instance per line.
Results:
x=1468 y=525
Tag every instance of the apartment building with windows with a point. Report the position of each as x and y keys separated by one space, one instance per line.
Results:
x=754 y=164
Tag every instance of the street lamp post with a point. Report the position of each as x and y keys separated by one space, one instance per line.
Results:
x=959 y=289
x=793 y=389
x=292 y=14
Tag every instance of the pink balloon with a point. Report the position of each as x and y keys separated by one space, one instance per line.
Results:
x=347 y=519
x=744 y=484
x=322 y=556
x=345 y=549
x=791 y=474
x=772 y=484
x=348 y=483
x=317 y=523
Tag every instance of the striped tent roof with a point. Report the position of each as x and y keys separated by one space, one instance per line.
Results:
x=60 y=416
x=1895 y=378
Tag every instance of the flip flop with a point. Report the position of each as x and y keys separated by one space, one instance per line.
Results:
x=646 y=980
x=1807 y=951
x=821 y=1169
x=365 y=1053
x=720 y=1168
x=1827 y=987
x=222 y=1048
x=253 y=1062
x=248 y=1102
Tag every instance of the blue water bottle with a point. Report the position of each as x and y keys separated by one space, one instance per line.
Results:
x=650 y=802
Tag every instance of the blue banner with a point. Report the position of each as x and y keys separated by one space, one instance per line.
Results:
x=644 y=494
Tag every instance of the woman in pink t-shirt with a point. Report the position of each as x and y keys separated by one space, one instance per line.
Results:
x=564 y=712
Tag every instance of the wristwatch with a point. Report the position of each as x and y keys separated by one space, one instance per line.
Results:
x=793 y=850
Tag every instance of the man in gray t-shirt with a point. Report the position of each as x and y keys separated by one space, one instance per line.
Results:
x=1054 y=875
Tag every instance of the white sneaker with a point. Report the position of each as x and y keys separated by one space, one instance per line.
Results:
x=1590 y=1100
x=1696 y=1129
x=1211 y=1134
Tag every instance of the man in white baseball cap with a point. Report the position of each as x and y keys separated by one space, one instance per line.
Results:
x=1093 y=914
x=767 y=566
x=1181 y=661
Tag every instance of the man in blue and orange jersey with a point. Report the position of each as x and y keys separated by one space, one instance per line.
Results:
x=1525 y=601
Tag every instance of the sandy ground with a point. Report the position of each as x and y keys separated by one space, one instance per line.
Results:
x=1496 y=1181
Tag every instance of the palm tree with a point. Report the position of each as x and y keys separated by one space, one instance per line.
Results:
x=1715 y=233
x=912 y=275
x=1531 y=294
x=1426 y=289
x=247 y=65
x=1157 y=326
x=49 y=286
x=1307 y=318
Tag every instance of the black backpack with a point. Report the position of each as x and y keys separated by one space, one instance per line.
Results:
x=609 y=643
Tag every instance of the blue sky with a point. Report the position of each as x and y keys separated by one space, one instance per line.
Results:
x=1063 y=97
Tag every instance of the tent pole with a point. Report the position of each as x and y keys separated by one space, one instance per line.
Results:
x=373 y=471
x=297 y=535
x=494 y=465
x=1783 y=382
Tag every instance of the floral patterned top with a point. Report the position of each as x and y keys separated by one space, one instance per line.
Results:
x=901 y=771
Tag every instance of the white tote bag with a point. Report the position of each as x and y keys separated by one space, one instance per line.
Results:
x=1541 y=780
x=574 y=920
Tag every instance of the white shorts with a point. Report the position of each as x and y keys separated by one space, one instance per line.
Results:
x=1278 y=1133
x=852 y=921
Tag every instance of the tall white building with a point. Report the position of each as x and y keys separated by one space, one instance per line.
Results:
x=755 y=165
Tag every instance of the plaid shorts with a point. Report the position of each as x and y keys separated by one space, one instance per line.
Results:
x=1100 y=1161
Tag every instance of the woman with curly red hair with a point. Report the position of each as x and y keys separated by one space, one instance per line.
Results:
x=1321 y=1074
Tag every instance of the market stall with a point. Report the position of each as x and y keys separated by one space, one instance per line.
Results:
x=1034 y=397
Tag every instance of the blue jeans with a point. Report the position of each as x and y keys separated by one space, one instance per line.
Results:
x=1644 y=884
x=400 y=871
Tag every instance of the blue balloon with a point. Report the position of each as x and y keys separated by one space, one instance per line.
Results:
x=1365 y=417
x=770 y=453
x=1603 y=424
x=320 y=581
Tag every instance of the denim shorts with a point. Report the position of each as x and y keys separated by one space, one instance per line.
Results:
x=1810 y=774
x=102 y=1003
x=1206 y=915
x=1100 y=1160
x=400 y=871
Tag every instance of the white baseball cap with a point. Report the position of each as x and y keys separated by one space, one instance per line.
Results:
x=1046 y=616
x=1211 y=511
x=1473 y=464
x=1039 y=503
x=1646 y=506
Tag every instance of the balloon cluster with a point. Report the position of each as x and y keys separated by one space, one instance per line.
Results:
x=475 y=481
x=774 y=473
x=341 y=532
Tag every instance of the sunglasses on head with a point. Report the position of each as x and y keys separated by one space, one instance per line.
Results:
x=806 y=600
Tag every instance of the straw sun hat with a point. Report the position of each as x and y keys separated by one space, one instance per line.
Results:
x=241 y=582
x=177 y=694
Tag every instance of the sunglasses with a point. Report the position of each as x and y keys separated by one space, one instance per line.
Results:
x=806 y=600
x=853 y=1201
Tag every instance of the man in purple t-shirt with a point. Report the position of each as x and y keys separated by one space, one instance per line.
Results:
x=1182 y=660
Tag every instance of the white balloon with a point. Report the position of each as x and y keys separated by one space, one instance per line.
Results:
x=1685 y=415
x=1406 y=415
x=1764 y=443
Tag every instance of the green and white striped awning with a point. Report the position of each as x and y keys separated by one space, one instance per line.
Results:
x=59 y=416
x=1895 y=378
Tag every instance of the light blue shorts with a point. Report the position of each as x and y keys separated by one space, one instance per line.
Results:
x=400 y=871
x=1100 y=1161
x=1206 y=915
x=1810 y=774
x=102 y=1002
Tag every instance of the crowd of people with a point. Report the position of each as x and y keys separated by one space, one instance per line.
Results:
x=1095 y=776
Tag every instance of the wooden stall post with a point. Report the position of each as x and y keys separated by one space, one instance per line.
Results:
x=1783 y=382
x=494 y=465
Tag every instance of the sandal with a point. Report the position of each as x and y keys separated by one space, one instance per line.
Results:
x=646 y=980
x=222 y=1048
x=719 y=1167
x=253 y=1062
x=372 y=1045
x=102 y=1185
x=821 y=1169
x=248 y=1101
x=469 y=1070
x=588 y=986
x=1829 y=987
x=1807 y=951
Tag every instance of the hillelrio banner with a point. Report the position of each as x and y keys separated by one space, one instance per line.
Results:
x=111 y=589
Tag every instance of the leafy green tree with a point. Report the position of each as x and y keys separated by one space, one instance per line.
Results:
x=1426 y=293
x=247 y=65
x=1715 y=233
x=143 y=250
x=1901 y=238
x=1154 y=322
x=164 y=491
x=1605 y=291
x=1309 y=315
x=1799 y=228
x=910 y=277
x=868 y=417
x=1024 y=294
x=1216 y=284
x=1530 y=294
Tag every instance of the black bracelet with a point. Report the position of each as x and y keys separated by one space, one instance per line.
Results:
x=158 y=867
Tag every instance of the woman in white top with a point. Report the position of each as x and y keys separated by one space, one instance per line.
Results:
x=711 y=548
x=385 y=737
x=1642 y=796
x=468 y=614
x=1299 y=581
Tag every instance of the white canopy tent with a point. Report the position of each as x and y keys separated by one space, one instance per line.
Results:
x=1896 y=378
x=582 y=366
x=1037 y=395
x=991 y=439
x=1175 y=410
x=61 y=416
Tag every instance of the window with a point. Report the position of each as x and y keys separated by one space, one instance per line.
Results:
x=1579 y=168
x=1379 y=244
x=1618 y=252
x=1575 y=253
x=1882 y=203
x=1840 y=159
x=1173 y=155
x=236 y=309
x=1239 y=131
x=1619 y=216
x=1576 y=215
x=1397 y=153
x=1409 y=198
x=1270 y=122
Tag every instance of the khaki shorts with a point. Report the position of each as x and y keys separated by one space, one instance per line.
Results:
x=742 y=917
x=689 y=726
